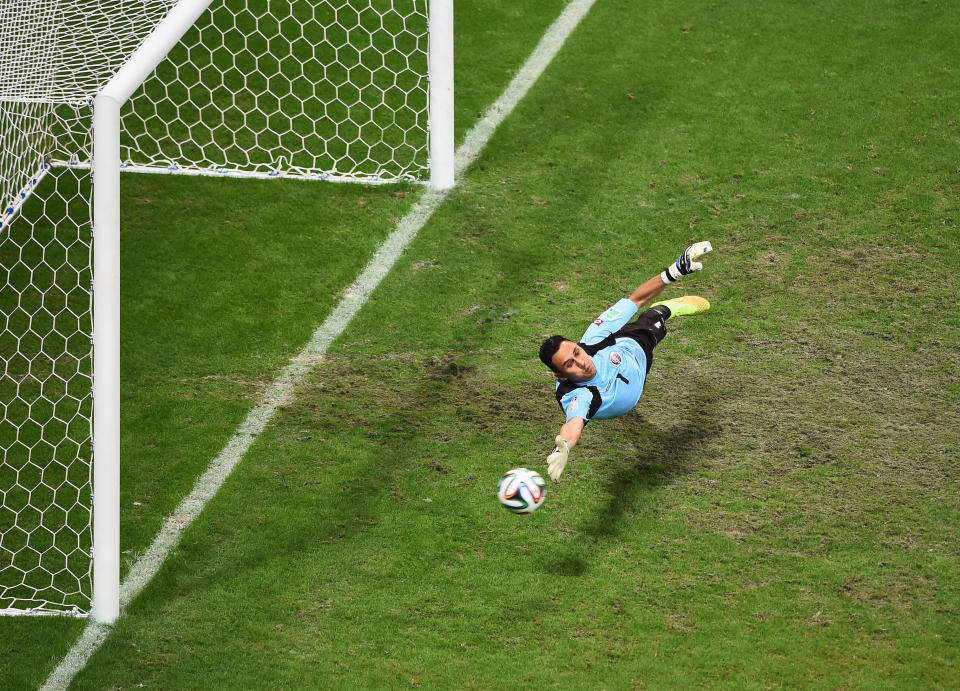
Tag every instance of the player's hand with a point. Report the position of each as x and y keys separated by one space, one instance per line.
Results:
x=687 y=262
x=557 y=461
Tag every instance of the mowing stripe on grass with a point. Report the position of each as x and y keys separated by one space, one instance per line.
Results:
x=281 y=390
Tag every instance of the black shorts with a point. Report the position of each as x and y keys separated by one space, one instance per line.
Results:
x=647 y=330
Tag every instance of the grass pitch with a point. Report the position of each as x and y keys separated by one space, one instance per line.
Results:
x=781 y=508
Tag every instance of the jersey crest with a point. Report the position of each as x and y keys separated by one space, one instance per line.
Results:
x=615 y=358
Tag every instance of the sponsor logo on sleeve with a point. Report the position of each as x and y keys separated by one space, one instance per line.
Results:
x=572 y=404
x=598 y=321
x=611 y=313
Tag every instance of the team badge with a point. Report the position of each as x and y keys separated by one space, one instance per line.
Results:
x=615 y=358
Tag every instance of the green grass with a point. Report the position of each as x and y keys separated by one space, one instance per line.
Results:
x=780 y=509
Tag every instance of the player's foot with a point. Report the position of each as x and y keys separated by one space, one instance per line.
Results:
x=685 y=306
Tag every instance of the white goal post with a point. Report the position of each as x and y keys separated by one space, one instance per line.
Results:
x=348 y=90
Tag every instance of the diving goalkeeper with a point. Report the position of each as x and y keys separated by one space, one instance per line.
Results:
x=602 y=376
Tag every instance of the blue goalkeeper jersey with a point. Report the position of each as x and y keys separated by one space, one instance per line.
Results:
x=621 y=369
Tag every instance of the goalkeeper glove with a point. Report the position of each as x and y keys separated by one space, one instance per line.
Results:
x=686 y=263
x=557 y=461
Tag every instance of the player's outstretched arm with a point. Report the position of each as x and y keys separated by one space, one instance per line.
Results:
x=566 y=440
x=686 y=264
x=647 y=290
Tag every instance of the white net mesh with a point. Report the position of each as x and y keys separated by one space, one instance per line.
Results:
x=64 y=51
x=45 y=360
x=329 y=89
x=307 y=89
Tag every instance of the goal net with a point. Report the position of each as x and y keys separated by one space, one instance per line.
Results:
x=315 y=89
x=45 y=360
x=328 y=89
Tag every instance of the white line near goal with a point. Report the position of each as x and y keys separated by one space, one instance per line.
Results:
x=281 y=390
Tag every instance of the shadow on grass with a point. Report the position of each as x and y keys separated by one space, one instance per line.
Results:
x=661 y=455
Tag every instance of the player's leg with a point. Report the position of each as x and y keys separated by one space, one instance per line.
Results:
x=683 y=306
x=648 y=330
x=651 y=326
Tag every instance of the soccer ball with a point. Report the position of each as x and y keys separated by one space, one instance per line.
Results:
x=521 y=490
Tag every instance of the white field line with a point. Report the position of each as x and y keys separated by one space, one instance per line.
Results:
x=282 y=389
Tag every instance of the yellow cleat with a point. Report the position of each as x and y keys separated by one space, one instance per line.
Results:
x=685 y=306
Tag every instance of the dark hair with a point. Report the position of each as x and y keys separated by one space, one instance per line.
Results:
x=549 y=349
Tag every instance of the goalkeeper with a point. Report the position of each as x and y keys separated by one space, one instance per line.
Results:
x=602 y=376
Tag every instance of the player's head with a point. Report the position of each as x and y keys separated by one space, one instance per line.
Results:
x=548 y=349
x=567 y=359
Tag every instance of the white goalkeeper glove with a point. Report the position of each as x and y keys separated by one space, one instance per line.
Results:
x=557 y=461
x=686 y=263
